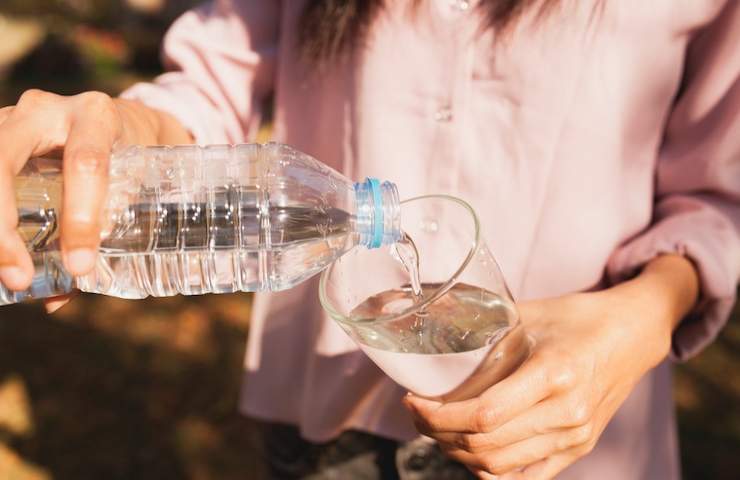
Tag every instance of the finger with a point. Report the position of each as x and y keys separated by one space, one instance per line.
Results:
x=86 y=157
x=524 y=453
x=5 y=113
x=545 y=469
x=43 y=117
x=515 y=475
x=550 y=467
x=30 y=128
x=55 y=303
x=496 y=406
x=551 y=415
x=20 y=137
x=474 y=463
x=18 y=140
x=484 y=475
x=16 y=268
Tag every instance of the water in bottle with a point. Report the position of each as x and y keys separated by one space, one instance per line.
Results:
x=195 y=220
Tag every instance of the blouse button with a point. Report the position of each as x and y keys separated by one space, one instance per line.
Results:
x=443 y=114
x=460 y=5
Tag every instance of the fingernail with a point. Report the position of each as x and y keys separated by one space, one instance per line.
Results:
x=52 y=307
x=80 y=260
x=12 y=276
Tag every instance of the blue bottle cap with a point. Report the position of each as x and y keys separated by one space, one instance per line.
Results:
x=378 y=219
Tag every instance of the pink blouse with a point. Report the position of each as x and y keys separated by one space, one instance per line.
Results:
x=588 y=144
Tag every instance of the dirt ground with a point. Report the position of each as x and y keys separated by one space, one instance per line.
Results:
x=117 y=389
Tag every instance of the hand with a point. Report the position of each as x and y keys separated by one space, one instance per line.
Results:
x=86 y=126
x=590 y=351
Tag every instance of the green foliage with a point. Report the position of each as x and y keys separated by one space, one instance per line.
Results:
x=103 y=13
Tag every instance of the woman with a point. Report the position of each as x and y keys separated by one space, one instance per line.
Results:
x=599 y=142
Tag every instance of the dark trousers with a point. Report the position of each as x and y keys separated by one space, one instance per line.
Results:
x=353 y=456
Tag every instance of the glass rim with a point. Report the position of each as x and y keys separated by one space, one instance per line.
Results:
x=416 y=307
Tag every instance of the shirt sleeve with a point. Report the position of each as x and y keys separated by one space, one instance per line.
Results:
x=697 y=206
x=221 y=61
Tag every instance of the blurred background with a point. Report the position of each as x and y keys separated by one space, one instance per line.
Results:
x=116 y=389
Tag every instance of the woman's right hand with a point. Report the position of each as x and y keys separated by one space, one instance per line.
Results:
x=87 y=127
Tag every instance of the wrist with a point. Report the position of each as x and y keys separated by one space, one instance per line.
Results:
x=658 y=299
x=674 y=282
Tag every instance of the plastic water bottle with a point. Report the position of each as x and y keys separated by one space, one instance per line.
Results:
x=194 y=220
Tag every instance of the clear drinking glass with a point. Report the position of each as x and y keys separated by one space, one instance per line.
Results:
x=462 y=336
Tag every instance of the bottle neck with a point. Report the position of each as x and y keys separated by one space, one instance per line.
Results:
x=378 y=213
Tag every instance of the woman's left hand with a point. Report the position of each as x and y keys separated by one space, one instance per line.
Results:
x=590 y=351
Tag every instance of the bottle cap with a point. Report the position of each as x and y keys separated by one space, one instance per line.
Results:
x=378 y=220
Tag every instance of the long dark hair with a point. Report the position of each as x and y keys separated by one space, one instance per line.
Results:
x=329 y=28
